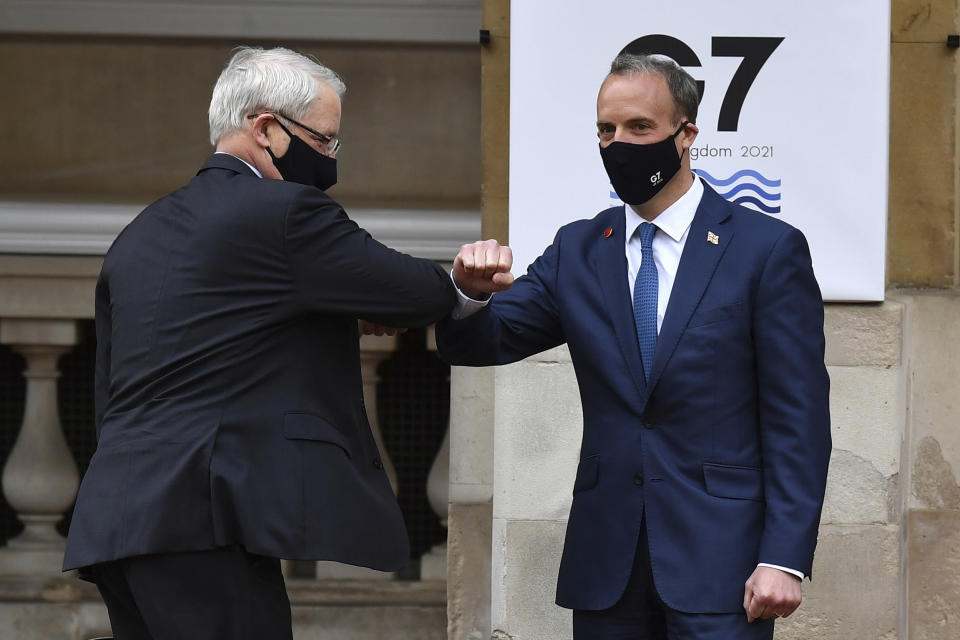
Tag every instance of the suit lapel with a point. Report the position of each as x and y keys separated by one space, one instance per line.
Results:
x=611 y=268
x=697 y=264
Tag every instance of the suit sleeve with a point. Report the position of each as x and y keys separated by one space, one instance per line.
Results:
x=338 y=268
x=101 y=377
x=793 y=400
x=517 y=323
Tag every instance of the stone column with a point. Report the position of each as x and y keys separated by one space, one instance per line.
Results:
x=373 y=351
x=471 y=503
x=40 y=477
x=538 y=427
x=433 y=564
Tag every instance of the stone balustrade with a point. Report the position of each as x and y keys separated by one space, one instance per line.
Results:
x=40 y=478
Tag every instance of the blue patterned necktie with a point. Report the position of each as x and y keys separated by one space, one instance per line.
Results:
x=645 y=298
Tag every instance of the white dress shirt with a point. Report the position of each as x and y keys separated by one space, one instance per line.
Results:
x=673 y=225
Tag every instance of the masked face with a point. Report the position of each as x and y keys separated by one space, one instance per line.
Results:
x=641 y=144
x=639 y=171
x=304 y=164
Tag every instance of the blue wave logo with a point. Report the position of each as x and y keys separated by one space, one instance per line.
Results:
x=748 y=190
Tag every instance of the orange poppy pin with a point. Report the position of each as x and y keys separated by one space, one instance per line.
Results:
x=608 y=232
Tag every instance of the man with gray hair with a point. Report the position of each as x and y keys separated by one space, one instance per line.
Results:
x=229 y=407
x=695 y=327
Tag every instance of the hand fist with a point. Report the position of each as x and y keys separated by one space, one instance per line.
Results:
x=372 y=328
x=771 y=593
x=483 y=267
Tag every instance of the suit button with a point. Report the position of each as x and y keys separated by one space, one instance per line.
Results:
x=377 y=464
x=649 y=424
x=638 y=479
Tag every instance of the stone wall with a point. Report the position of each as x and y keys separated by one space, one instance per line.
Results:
x=125 y=119
x=470 y=532
x=922 y=229
x=930 y=468
x=854 y=592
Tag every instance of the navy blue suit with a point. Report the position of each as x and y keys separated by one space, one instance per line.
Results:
x=725 y=451
x=229 y=404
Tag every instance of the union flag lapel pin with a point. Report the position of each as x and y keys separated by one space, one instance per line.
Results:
x=713 y=238
x=608 y=232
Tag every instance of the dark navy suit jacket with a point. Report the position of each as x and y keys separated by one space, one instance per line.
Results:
x=725 y=451
x=229 y=403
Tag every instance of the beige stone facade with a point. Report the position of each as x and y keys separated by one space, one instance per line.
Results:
x=124 y=119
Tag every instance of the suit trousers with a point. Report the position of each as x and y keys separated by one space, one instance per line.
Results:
x=641 y=614
x=218 y=594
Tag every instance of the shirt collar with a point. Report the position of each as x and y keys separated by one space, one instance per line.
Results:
x=675 y=219
x=252 y=168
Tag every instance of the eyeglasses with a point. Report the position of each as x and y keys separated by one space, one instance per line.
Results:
x=331 y=144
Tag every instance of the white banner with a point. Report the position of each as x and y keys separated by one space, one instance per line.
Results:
x=794 y=118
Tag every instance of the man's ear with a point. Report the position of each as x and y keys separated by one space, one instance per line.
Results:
x=260 y=129
x=688 y=135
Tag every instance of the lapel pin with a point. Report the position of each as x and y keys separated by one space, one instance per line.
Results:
x=712 y=238
x=608 y=232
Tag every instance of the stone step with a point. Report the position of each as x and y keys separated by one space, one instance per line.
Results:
x=34 y=608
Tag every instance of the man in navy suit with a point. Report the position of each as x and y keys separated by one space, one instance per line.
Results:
x=696 y=330
x=229 y=406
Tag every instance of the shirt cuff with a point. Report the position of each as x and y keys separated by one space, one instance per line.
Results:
x=466 y=306
x=793 y=572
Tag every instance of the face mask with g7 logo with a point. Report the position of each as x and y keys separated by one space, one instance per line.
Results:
x=639 y=171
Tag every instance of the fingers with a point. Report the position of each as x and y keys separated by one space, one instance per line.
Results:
x=757 y=611
x=483 y=267
x=502 y=281
x=484 y=258
x=505 y=260
x=771 y=593
x=368 y=328
x=747 y=599
x=754 y=609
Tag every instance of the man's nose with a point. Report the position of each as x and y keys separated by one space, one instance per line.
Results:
x=620 y=134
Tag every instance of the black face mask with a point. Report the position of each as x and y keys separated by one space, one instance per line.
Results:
x=302 y=163
x=639 y=171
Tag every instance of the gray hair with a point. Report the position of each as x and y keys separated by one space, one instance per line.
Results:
x=266 y=79
x=682 y=86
